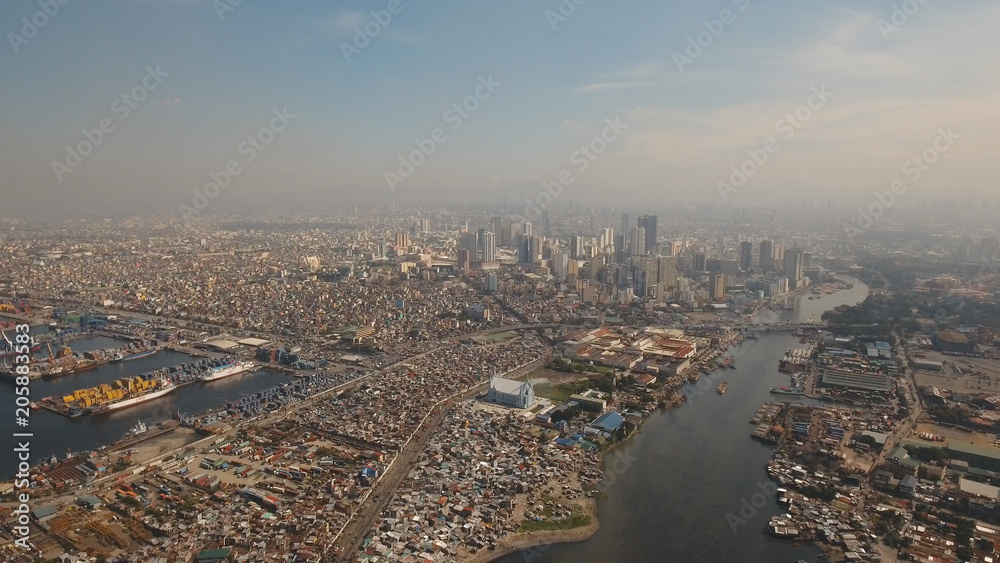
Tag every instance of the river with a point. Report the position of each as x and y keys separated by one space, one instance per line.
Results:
x=54 y=434
x=684 y=488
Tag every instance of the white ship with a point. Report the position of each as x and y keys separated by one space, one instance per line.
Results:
x=227 y=370
x=166 y=388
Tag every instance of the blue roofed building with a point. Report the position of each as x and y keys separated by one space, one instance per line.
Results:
x=608 y=422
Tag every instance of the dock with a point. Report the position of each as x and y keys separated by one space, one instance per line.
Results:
x=168 y=426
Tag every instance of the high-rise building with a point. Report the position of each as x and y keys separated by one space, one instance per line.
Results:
x=717 y=287
x=463 y=260
x=576 y=247
x=767 y=255
x=607 y=239
x=700 y=262
x=470 y=242
x=626 y=223
x=637 y=242
x=746 y=255
x=648 y=222
x=793 y=261
x=403 y=240
x=526 y=229
x=666 y=272
x=524 y=249
x=495 y=226
x=492 y=281
x=560 y=265
x=487 y=246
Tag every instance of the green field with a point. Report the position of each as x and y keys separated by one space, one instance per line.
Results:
x=574 y=521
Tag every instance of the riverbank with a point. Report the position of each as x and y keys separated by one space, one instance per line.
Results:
x=540 y=541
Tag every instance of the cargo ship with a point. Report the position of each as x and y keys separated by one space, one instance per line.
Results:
x=138 y=355
x=232 y=367
x=119 y=394
x=9 y=350
x=722 y=388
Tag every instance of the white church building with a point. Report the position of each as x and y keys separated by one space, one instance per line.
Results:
x=510 y=393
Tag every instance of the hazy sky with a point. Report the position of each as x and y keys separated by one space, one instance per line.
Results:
x=688 y=120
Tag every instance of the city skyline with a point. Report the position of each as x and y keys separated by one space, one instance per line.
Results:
x=879 y=88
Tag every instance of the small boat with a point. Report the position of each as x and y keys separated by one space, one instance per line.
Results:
x=139 y=428
x=722 y=388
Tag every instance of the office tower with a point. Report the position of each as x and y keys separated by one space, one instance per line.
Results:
x=535 y=247
x=560 y=265
x=607 y=239
x=648 y=222
x=626 y=224
x=470 y=242
x=746 y=255
x=793 y=261
x=778 y=260
x=463 y=260
x=640 y=280
x=524 y=250
x=383 y=249
x=666 y=275
x=700 y=262
x=492 y=281
x=526 y=229
x=767 y=255
x=717 y=287
x=495 y=226
x=807 y=260
x=487 y=245
x=621 y=243
x=506 y=235
x=637 y=244
x=575 y=247
x=546 y=226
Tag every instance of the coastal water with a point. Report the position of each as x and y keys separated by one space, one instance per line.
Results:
x=54 y=434
x=689 y=486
